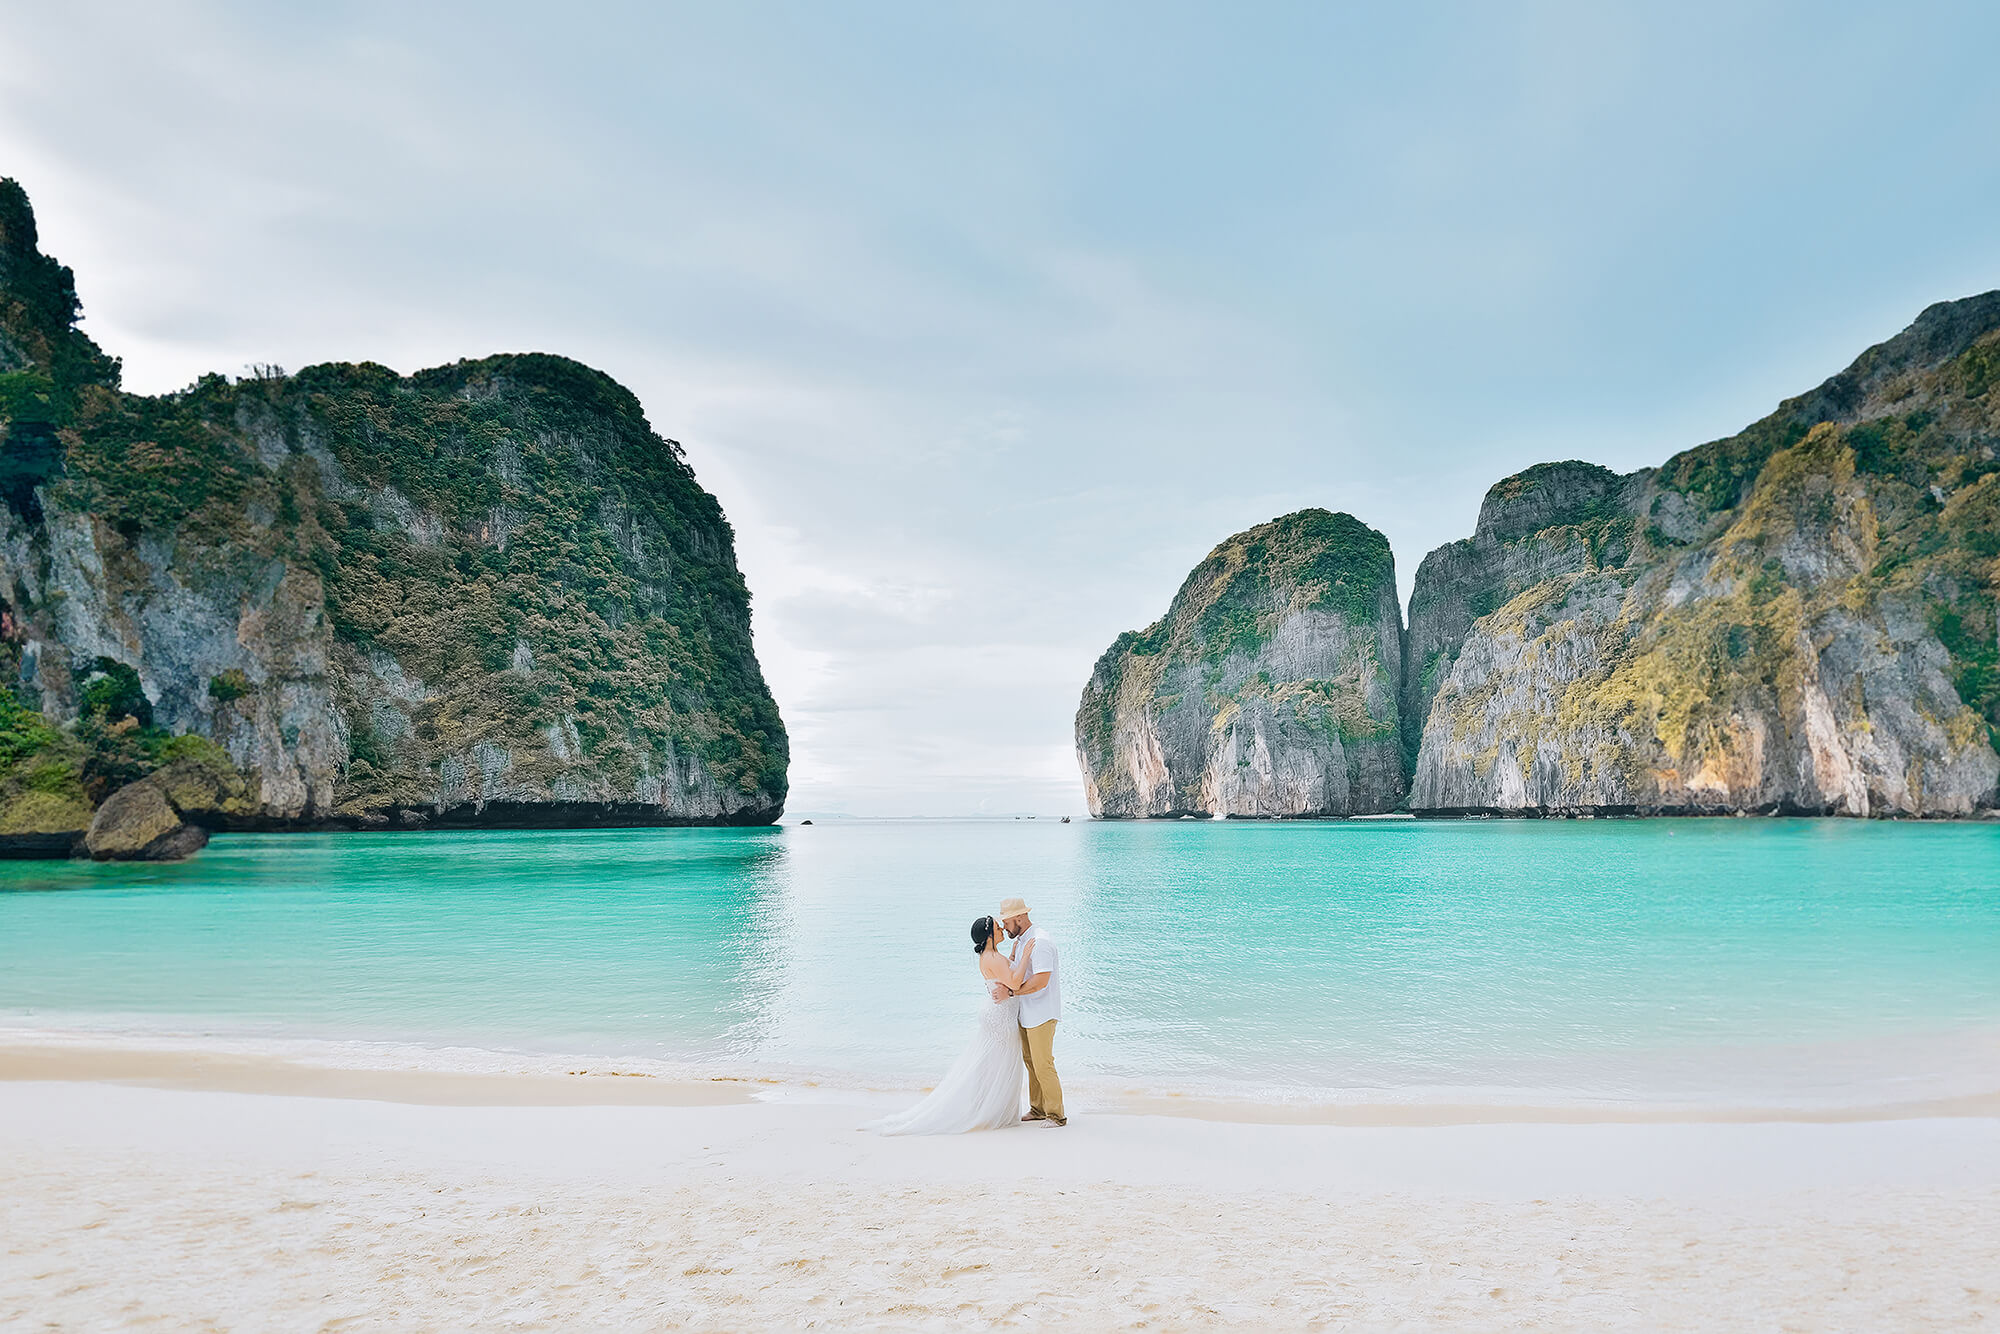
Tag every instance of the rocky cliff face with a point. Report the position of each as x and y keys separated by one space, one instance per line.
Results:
x=1804 y=617
x=1551 y=520
x=485 y=593
x=1799 y=618
x=1268 y=689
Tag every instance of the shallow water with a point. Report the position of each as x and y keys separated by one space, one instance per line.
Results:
x=1724 y=960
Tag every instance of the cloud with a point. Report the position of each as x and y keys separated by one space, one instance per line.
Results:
x=986 y=325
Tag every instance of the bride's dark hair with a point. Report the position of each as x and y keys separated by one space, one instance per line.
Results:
x=982 y=931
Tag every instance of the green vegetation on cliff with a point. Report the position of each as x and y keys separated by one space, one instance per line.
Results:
x=486 y=582
x=53 y=776
x=1287 y=634
x=1233 y=601
x=1802 y=616
x=1915 y=490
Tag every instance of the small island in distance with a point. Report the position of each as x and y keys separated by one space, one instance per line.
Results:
x=1799 y=619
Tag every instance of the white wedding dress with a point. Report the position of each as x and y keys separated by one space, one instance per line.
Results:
x=982 y=1090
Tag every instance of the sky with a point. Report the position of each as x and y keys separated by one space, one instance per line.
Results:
x=986 y=322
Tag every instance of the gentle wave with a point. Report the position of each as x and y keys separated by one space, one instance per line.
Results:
x=1961 y=1065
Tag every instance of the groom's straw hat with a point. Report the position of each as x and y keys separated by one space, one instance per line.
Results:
x=1013 y=908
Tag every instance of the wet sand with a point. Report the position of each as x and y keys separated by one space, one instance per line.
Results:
x=233 y=1072
x=99 y=1059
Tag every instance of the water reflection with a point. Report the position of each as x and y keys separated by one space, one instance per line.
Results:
x=875 y=969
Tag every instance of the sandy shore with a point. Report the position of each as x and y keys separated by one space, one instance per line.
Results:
x=122 y=1203
x=101 y=1058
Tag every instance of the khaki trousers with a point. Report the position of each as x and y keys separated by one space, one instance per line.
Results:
x=1038 y=1053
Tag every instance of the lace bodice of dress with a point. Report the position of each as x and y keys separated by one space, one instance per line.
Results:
x=999 y=1014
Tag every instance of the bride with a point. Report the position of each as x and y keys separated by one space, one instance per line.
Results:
x=982 y=1090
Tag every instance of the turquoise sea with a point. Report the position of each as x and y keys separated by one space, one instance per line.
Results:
x=1737 y=961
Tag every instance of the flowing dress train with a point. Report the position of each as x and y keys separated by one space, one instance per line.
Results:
x=981 y=1091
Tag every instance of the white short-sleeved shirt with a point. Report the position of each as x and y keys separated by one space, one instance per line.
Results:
x=1040 y=1007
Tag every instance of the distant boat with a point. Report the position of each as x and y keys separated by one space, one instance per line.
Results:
x=1065 y=819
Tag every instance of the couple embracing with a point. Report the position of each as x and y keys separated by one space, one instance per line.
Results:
x=1017 y=1034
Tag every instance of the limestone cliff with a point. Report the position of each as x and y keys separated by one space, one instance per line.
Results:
x=1804 y=617
x=1798 y=618
x=1553 y=519
x=484 y=593
x=1268 y=689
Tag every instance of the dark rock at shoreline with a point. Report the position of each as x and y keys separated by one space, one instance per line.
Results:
x=139 y=823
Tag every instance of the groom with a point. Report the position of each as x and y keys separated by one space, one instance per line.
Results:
x=1041 y=1006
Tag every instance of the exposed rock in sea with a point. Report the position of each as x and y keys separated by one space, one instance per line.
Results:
x=486 y=593
x=138 y=823
x=1799 y=618
x=1269 y=689
x=167 y=814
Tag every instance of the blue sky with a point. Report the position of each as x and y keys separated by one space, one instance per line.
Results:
x=987 y=322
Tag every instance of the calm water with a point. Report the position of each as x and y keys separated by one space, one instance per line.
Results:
x=1800 y=960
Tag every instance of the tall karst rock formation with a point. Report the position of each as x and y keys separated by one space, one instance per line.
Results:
x=1804 y=617
x=482 y=594
x=1798 y=618
x=1268 y=689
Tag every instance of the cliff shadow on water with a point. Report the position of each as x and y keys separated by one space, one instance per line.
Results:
x=482 y=594
x=1803 y=618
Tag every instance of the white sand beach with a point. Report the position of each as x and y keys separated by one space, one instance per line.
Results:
x=404 y=1203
